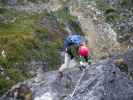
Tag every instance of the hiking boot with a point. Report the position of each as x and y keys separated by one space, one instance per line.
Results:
x=82 y=68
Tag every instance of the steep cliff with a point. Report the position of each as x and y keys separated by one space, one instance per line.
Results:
x=31 y=37
x=101 y=81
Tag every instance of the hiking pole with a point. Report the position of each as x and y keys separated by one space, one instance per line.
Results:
x=71 y=95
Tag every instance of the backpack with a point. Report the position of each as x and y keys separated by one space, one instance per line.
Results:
x=73 y=40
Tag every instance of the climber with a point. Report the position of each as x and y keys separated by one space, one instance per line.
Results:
x=84 y=54
x=71 y=44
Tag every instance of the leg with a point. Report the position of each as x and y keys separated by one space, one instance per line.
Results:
x=82 y=62
x=69 y=51
x=65 y=65
x=86 y=58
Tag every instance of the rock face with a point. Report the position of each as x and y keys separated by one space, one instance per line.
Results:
x=12 y=2
x=2 y=19
x=129 y=60
x=101 y=81
x=34 y=7
x=96 y=30
x=123 y=26
x=108 y=84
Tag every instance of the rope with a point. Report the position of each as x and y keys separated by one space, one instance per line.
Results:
x=76 y=87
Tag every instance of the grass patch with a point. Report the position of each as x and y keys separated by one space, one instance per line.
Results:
x=64 y=15
x=16 y=74
x=65 y=18
x=23 y=22
x=23 y=41
x=111 y=14
x=123 y=68
x=4 y=84
x=22 y=46
x=53 y=50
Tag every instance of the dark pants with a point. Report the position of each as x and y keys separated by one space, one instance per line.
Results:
x=71 y=55
x=86 y=58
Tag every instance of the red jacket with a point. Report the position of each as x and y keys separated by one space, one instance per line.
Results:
x=83 y=51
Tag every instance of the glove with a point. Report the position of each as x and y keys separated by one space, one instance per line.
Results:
x=89 y=60
x=81 y=63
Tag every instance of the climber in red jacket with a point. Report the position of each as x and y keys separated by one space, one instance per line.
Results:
x=75 y=47
x=84 y=54
x=71 y=44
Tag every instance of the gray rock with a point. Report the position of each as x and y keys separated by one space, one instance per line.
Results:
x=102 y=81
x=2 y=71
x=12 y=2
x=107 y=83
x=8 y=78
x=129 y=60
x=2 y=19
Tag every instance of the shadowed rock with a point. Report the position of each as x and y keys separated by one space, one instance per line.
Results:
x=102 y=81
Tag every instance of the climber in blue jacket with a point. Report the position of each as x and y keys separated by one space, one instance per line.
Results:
x=71 y=44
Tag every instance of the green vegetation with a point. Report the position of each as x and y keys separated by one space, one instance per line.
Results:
x=4 y=2
x=30 y=37
x=64 y=15
x=18 y=21
x=123 y=68
x=126 y=3
x=4 y=84
x=118 y=14
x=111 y=14
x=65 y=18
x=15 y=47
x=24 y=40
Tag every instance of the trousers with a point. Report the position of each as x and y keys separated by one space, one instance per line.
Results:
x=68 y=63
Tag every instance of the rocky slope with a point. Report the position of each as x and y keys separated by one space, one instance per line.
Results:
x=40 y=28
x=119 y=14
x=101 y=81
x=101 y=38
x=26 y=41
x=29 y=33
